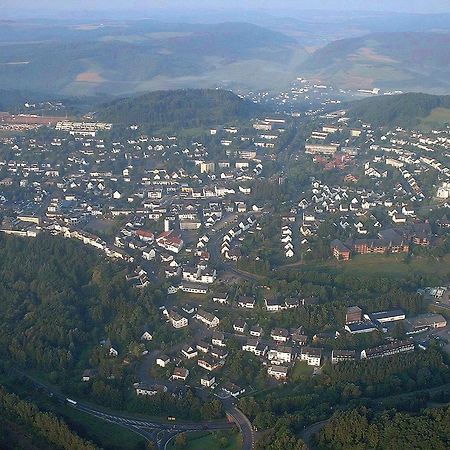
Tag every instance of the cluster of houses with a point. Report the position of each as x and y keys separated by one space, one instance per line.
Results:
x=280 y=351
x=286 y=241
x=208 y=353
x=229 y=248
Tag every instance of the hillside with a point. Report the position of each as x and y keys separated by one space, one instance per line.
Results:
x=404 y=61
x=137 y=56
x=181 y=108
x=406 y=110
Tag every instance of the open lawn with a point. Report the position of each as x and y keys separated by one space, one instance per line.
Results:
x=301 y=370
x=104 y=228
x=201 y=440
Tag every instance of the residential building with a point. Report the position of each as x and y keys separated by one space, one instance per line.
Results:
x=180 y=373
x=388 y=350
x=278 y=372
x=149 y=389
x=207 y=318
x=208 y=380
x=177 y=320
x=342 y=355
x=313 y=356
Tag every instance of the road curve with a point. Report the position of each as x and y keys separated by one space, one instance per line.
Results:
x=248 y=435
x=149 y=429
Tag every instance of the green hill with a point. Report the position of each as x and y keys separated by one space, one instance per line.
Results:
x=405 y=110
x=415 y=62
x=181 y=108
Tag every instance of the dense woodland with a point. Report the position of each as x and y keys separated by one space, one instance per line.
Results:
x=24 y=426
x=59 y=299
x=363 y=429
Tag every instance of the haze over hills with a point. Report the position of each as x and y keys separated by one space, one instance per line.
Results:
x=69 y=57
x=184 y=108
x=405 y=110
x=402 y=61
x=133 y=56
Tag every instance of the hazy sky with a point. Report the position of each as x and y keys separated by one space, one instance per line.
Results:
x=11 y=8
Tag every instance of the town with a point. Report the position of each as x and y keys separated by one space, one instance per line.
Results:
x=209 y=218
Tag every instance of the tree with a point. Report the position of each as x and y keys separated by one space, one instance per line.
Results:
x=181 y=440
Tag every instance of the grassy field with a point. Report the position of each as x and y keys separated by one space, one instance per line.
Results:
x=301 y=370
x=201 y=440
x=391 y=265
x=438 y=118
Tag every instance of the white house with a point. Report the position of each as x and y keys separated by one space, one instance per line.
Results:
x=313 y=356
x=207 y=318
x=177 y=320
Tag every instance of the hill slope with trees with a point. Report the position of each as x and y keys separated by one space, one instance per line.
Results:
x=182 y=108
x=404 y=110
x=24 y=426
x=130 y=56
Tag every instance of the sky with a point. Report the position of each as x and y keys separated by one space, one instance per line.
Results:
x=23 y=8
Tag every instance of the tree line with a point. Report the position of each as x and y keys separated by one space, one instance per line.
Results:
x=46 y=430
x=361 y=428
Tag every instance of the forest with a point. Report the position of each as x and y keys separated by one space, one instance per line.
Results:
x=404 y=110
x=60 y=299
x=361 y=428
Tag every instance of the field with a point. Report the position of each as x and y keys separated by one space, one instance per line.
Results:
x=438 y=118
x=201 y=440
x=388 y=61
x=391 y=265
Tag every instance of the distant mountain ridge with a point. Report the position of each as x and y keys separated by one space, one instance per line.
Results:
x=182 y=108
x=125 y=57
x=407 y=61
x=405 y=110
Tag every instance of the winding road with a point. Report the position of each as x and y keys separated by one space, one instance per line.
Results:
x=157 y=431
